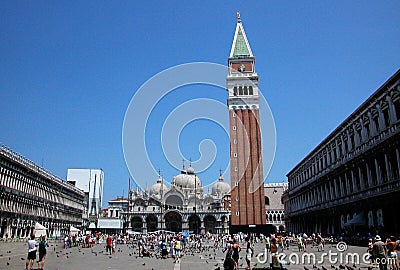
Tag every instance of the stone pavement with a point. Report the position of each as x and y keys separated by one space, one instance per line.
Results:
x=13 y=255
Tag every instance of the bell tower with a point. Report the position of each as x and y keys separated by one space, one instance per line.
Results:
x=247 y=181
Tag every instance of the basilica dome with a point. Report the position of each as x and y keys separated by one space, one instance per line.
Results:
x=221 y=187
x=187 y=181
x=156 y=188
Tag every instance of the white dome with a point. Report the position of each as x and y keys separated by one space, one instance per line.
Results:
x=190 y=170
x=156 y=188
x=221 y=187
x=187 y=182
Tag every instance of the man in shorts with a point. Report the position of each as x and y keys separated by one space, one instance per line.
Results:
x=31 y=253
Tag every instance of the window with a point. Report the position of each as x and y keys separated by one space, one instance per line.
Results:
x=250 y=90
x=236 y=169
x=234 y=128
x=240 y=91
x=235 y=91
x=234 y=154
x=245 y=91
x=236 y=184
x=234 y=141
x=237 y=198
x=266 y=200
x=237 y=213
x=233 y=115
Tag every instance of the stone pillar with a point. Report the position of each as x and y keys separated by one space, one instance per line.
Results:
x=362 y=183
x=381 y=119
x=373 y=127
x=202 y=228
x=398 y=161
x=353 y=179
x=369 y=178
x=378 y=172
x=388 y=169
x=392 y=110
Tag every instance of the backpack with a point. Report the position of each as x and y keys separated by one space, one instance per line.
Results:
x=42 y=247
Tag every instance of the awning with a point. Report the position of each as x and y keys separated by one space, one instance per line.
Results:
x=358 y=220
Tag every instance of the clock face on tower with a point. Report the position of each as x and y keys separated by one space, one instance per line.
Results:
x=241 y=68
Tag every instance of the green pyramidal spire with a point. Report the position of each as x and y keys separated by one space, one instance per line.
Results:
x=240 y=45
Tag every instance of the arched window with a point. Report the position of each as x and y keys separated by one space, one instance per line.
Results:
x=235 y=91
x=245 y=91
x=266 y=200
x=250 y=90
x=240 y=91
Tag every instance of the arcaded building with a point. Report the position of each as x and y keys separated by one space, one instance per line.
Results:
x=183 y=206
x=30 y=194
x=351 y=180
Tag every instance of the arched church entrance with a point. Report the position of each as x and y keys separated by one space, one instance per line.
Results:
x=173 y=221
x=151 y=222
x=194 y=224
x=137 y=224
x=209 y=223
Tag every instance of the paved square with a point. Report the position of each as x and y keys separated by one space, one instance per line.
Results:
x=13 y=255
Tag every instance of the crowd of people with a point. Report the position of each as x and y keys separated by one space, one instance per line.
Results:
x=163 y=245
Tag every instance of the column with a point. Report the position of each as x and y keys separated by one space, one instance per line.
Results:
x=353 y=179
x=398 y=160
x=369 y=178
x=392 y=110
x=378 y=172
x=380 y=118
x=388 y=169
x=373 y=127
x=362 y=183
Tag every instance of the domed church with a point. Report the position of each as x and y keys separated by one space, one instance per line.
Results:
x=183 y=206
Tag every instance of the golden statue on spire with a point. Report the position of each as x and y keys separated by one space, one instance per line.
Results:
x=238 y=15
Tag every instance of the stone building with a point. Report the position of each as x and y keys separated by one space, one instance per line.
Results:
x=274 y=208
x=183 y=206
x=29 y=194
x=351 y=180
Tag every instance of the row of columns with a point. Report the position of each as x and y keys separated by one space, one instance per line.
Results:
x=358 y=132
x=372 y=173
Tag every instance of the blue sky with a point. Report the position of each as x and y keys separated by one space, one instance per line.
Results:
x=69 y=69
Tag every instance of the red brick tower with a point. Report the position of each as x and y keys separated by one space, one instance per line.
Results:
x=247 y=182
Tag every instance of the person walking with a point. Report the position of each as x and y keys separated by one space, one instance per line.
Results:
x=42 y=252
x=31 y=253
x=249 y=252
x=235 y=253
x=109 y=244
x=379 y=253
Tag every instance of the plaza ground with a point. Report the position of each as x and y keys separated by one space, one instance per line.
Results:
x=125 y=257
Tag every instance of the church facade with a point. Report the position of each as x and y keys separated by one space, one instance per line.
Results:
x=183 y=206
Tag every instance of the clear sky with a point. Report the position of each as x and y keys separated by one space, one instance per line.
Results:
x=69 y=69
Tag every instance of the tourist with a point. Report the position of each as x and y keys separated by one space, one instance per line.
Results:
x=177 y=249
x=391 y=252
x=109 y=244
x=31 y=253
x=249 y=252
x=42 y=252
x=379 y=253
x=235 y=253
